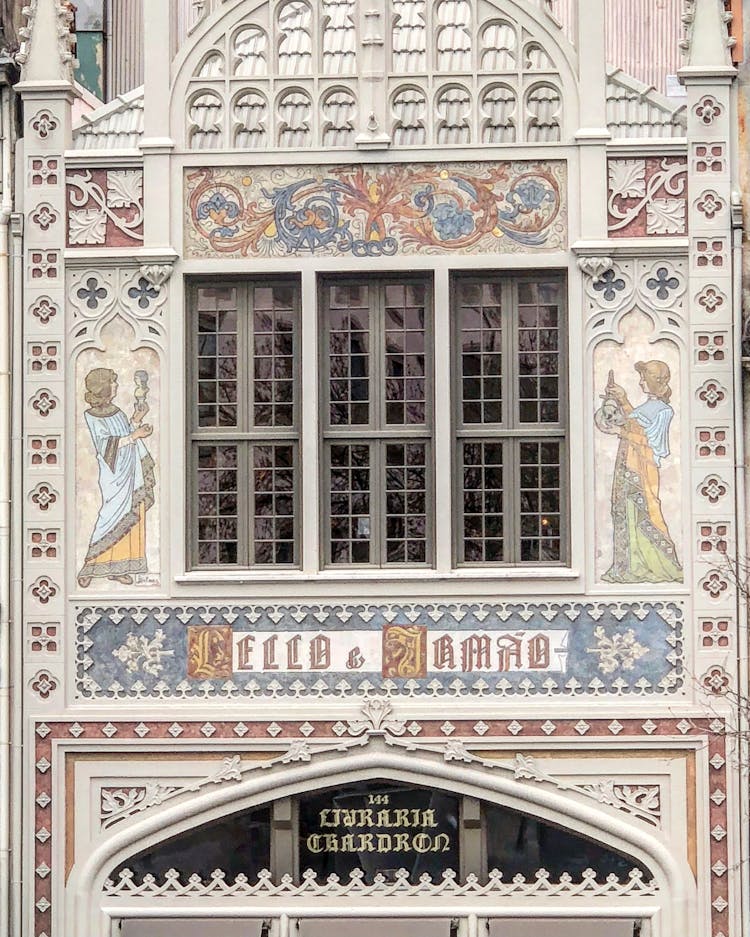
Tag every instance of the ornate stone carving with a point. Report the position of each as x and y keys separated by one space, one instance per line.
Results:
x=595 y=267
x=157 y=274
x=542 y=885
x=105 y=207
x=647 y=197
x=117 y=804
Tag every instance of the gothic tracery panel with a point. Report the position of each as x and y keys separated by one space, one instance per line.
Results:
x=475 y=75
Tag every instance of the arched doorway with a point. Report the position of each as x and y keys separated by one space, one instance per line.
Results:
x=637 y=889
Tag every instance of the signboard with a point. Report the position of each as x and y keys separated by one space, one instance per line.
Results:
x=399 y=650
x=379 y=829
x=432 y=649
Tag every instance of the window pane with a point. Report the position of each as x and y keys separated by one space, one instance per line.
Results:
x=480 y=341
x=539 y=353
x=239 y=844
x=540 y=501
x=377 y=827
x=406 y=502
x=482 y=472
x=405 y=367
x=274 y=527
x=216 y=351
x=350 y=519
x=518 y=844
x=274 y=341
x=217 y=520
x=349 y=349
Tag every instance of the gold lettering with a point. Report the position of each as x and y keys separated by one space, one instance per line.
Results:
x=347 y=843
x=422 y=843
x=323 y=818
x=428 y=819
x=365 y=843
x=401 y=842
x=442 y=843
x=314 y=843
x=331 y=841
x=402 y=818
x=384 y=819
x=384 y=842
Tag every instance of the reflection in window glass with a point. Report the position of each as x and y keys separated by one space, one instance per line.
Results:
x=244 y=413
x=238 y=844
x=517 y=844
x=509 y=372
x=379 y=828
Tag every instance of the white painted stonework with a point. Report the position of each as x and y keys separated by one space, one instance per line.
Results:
x=578 y=668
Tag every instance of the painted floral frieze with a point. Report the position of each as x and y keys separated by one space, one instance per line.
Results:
x=375 y=211
x=104 y=207
x=647 y=197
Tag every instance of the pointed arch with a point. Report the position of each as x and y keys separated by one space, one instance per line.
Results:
x=290 y=49
x=378 y=761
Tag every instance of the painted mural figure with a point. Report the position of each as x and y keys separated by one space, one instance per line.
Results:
x=643 y=550
x=117 y=548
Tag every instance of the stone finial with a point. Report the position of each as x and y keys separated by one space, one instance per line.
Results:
x=46 y=53
x=707 y=42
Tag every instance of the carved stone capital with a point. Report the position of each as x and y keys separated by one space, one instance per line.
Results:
x=156 y=274
x=594 y=267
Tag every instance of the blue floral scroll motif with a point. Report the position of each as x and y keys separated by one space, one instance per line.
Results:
x=662 y=283
x=373 y=211
x=609 y=285
x=220 y=210
x=313 y=223
x=452 y=222
x=525 y=197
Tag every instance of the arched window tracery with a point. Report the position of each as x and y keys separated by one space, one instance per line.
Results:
x=457 y=73
x=370 y=829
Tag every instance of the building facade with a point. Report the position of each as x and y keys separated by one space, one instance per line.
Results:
x=376 y=443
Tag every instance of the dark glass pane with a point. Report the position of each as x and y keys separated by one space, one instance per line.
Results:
x=518 y=844
x=239 y=844
x=217 y=347
x=216 y=521
x=540 y=502
x=379 y=827
x=479 y=312
x=405 y=351
x=274 y=354
x=538 y=353
x=274 y=524
x=406 y=500
x=348 y=354
x=482 y=501
x=349 y=504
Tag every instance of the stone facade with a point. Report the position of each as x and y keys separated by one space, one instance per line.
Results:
x=593 y=687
